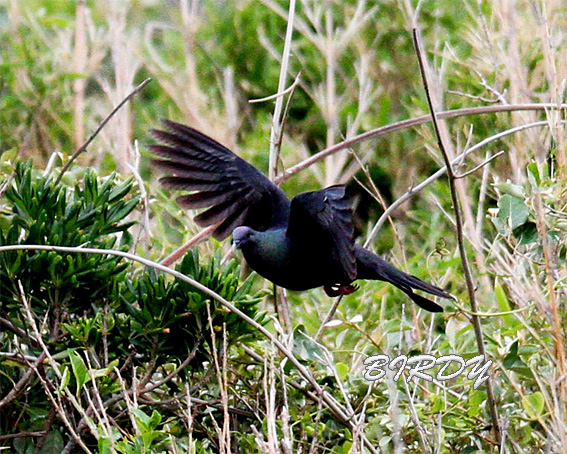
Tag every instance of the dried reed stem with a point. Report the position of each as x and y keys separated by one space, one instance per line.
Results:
x=460 y=236
x=84 y=147
x=330 y=402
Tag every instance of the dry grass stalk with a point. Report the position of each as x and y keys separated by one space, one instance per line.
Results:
x=460 y=237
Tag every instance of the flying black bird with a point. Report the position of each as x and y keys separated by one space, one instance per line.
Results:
x=299 y=244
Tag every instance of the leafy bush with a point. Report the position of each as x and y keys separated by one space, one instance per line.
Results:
x=135 y=364
x=92 y=326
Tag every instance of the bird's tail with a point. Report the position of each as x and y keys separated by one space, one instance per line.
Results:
x=371 y=266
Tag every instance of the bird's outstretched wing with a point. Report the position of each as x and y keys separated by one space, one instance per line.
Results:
x=322 y=222
x=234 y=191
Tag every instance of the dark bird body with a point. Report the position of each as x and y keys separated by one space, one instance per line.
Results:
x=299 y=244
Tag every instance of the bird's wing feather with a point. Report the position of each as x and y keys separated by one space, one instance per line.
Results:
x=234 y=191
x=322 y=220
x=371 y=266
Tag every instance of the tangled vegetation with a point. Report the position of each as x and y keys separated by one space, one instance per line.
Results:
x=104 y=350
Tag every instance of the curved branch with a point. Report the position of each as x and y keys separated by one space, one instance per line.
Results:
x=380 y=132
x=84 y=147
x=329 y=400
x=416 y=189
x=383 y=130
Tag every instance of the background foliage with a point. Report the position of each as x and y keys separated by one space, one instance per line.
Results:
x=101 y=355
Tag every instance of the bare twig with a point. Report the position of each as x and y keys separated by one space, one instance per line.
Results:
x=558 y=338
x=276 y=135
x=18 y=387
x=84 y=147
x=289 y=89
x=7 y=324
x=276 y=131
x=328 y=317
x=330 y=402
x=416 y=189
x=22 y=434
x=80 y=54
x=223 y=434
x=411 y=122
x=175 y=372
x=460 y=235
x=134 y=168
x=480 y=166
x=54 y=397
x=201 y=236
x=421 y=433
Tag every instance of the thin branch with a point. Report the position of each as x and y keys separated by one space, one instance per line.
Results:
x=143 y=196
x=549 y=265
x=276 y=131
x=23 y=434
x=18 y=387
x=54 y=397
x=279 y=94
x=276 y=137
x=460 y=235
x=182 y=366
x=7 y=324
x=84 y=147
x=328 y=318
x=411 y=122
x=201 y=236
x=328 y=399
x=495 y=314
x=416 y=189
x=480 y=166
x=421 y=433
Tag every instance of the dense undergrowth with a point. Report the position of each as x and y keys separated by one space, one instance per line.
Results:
x=101 y=354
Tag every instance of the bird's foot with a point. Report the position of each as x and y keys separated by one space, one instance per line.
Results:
x=340 y=290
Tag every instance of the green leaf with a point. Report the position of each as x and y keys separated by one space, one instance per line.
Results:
x=513 y=361
x=53 y=443
x=155 y=419
x=80 y=370
x=513 y=211
x=511 y=189
x=453 y=328
x=476 y=398
x=9 y=155
x=504 y=306
x=526 y=234
x=533 y=174
x=140 y=416
x=104 y=445
x=65 y=380
x=533 y=404
x=342 y=370
x=437 y=403
x=120 y=191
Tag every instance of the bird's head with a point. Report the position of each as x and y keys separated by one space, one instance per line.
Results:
x=241 y=236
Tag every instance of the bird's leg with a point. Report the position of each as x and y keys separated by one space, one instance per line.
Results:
x=339 y=289
x=347 y=289
x=331 y=290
